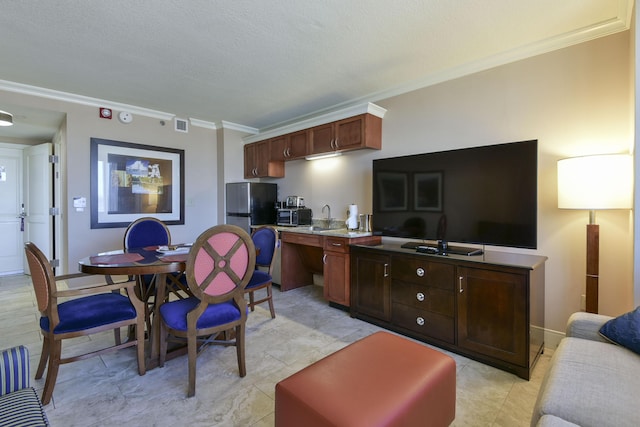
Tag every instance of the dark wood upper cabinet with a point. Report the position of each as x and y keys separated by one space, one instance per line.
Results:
x=291 y=146
x=363 y=131
x=266 y=158
x=258 y=162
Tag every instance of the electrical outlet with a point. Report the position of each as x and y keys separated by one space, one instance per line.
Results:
x=583 y=302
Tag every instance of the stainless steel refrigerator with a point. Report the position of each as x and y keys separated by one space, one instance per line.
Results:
x=251 y=203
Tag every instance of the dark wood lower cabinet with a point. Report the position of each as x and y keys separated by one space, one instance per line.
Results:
x=489 y=308
x=370 y=286
x=492 y=313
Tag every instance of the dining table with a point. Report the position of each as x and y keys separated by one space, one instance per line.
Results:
x=151 y=260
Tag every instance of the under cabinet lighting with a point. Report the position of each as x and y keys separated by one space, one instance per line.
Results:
x=323 y=156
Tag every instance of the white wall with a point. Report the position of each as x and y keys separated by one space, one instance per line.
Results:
x=575 y=101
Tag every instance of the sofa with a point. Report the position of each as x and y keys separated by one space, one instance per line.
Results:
x=592 y=380
x=19 y=403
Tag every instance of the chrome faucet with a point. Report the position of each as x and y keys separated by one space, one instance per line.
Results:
x=328 y=214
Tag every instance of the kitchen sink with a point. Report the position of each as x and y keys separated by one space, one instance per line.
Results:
x=334 y=230
x=316 y=228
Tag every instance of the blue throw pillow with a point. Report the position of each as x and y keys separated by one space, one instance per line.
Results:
x=624 y=330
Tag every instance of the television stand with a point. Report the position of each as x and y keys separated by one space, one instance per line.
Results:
x=488 y=308
x=434 y=250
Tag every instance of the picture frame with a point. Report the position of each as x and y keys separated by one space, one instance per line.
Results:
x=129 y=181
x=427 y=191
x=393 y=192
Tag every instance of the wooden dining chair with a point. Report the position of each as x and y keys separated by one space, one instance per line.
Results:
x=94 y=309
x=219 y=266
x=266 y=241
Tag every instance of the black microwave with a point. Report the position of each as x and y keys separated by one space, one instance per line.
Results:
x=294 y=217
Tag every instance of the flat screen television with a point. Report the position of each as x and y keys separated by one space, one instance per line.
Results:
x=481 y=195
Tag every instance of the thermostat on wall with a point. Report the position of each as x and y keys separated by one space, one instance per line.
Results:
x=125 y=117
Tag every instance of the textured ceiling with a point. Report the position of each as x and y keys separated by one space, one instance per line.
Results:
x=263 y=63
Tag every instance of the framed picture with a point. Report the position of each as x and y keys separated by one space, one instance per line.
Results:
x=393 y=191
x=130 y=181
x=427 y=188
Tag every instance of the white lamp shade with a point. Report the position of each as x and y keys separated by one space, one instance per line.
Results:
x=596 y=182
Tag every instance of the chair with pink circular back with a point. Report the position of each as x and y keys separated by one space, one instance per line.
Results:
x=219 y=267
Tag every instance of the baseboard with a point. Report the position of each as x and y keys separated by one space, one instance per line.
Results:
x=552 y=338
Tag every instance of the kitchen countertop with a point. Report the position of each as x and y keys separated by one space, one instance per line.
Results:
x=336 y=232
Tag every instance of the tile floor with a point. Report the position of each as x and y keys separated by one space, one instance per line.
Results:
x=106 y=390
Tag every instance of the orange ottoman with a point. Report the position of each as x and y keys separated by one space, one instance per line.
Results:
x=380 y=380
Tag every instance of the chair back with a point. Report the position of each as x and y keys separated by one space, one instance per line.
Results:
x=147 y=231
x=41 y=275
x=266 y=240
x=220 y=264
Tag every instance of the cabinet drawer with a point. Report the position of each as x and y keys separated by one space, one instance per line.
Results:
x=336 y=244
x=302 y=239
x=421 y=271
x=423 y=297
x=423 y=322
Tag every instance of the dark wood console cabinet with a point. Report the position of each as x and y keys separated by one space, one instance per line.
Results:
x=489 y=307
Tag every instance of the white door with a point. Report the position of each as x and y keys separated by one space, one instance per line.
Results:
x=39 y=198
x=11 y=251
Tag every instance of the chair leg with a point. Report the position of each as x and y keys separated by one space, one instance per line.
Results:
x=240 y=349
x=270 y=296
x=116 y=334
x=142 y=368
x=52 y=371
x=44 y=356
x=252 y=304
x=163 y=342
x=192 y=348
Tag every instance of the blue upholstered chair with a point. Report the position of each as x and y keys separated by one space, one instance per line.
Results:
x=142 y=233
x=220 y=264
x=19 y=403
x=150 y=232
x=96 y=309
x=266 y=240
x=145 y=232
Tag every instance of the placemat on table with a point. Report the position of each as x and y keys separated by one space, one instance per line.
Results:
x=116 y=259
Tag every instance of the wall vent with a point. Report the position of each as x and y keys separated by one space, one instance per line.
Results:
x=181 y=125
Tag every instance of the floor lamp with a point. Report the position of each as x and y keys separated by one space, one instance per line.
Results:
x=594 y=183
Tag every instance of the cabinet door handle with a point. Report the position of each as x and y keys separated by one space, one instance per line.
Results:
x=420 y=272
x=420 y=296
x=324 y=258
x=386 y=270
x=460 y=279
x=336 y=244
x=420 y=321
x=335 y=144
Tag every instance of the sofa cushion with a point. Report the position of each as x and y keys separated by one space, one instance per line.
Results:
x=22 y=408
x=624 y=330
x=591 y=383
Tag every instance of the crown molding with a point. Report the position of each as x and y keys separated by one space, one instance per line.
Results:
x=238 y=127
x=82 y=100
x=318 y=118
x=202 y=123
x=621 y=22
